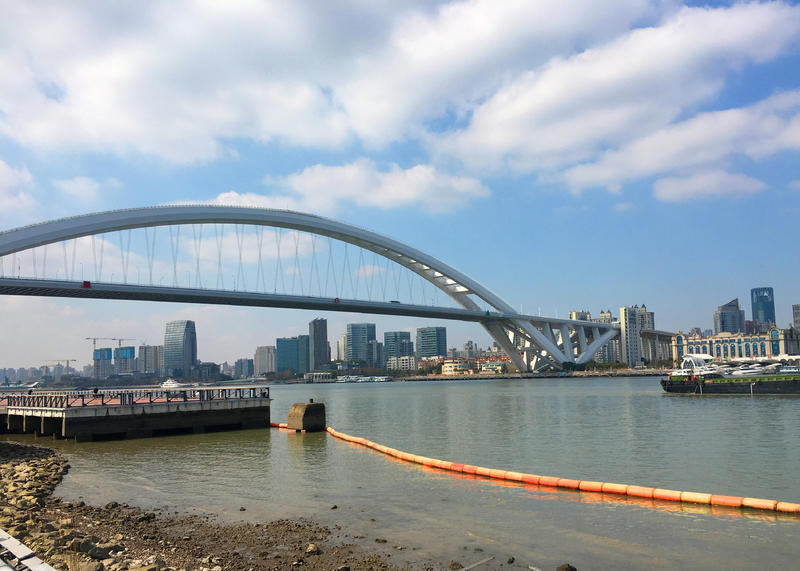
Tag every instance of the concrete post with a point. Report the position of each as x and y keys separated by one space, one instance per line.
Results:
x=308 y=416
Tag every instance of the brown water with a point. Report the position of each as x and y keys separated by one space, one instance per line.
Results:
x=619 y=430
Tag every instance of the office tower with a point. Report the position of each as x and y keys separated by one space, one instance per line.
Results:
x=291 y=354
x=264 y=360
x=243 y=368
x=286 y=354
x=729 y=318
x=763 y=304
x=341 y=348
x=317 y=344
x=124 y=360
x=303 y=346
x=180 y=348
x=102 y=363
x=358 y=337
x=397 y=344
x=431 y=342
x=151 y=359
x=630 y=335
x=796 y=316
x=375 y=357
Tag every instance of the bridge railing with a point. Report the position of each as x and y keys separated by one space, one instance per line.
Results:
x=131 y=397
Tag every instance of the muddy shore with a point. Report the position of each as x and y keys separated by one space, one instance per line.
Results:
x=78 y=537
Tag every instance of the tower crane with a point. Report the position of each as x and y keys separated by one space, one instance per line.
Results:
x=59 y=361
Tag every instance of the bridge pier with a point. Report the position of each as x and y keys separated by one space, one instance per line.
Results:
x=50 y=426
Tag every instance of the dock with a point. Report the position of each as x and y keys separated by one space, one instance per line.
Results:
x=103 y=414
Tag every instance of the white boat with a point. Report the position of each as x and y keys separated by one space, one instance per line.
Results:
x=171 y=384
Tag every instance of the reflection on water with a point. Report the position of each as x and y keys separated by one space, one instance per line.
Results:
x=619 y=430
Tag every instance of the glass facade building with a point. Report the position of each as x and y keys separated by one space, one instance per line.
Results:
x=431 y=342
x=763 y=303
x=358 y=337
x=397 y=344
x=180 y=348
x=318 y=344
x=729 y=318
x=291 y=354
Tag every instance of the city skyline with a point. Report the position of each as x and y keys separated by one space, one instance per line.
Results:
x=534 y=155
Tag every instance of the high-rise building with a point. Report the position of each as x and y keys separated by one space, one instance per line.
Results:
x=375 y=356
x=796 y=316
x=610 y=352
x=431 y=342
x=303 y=346
x=264 y=360
x=318 y=344
x=397 y=344
x=729 y=318
x=358 y=337
x=763 y=304
x=180 y=348
x=630 y=335
x=151 y=359
x=125 y=360
x=291 y=354
x=243 y=368
x=286 y=354
x=102 y=363
x=341 y=348
x=580 y=315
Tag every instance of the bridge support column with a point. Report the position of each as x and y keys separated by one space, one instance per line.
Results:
x=49 y=427
x=14 y=423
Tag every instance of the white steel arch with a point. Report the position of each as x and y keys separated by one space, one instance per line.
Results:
x=552 y=340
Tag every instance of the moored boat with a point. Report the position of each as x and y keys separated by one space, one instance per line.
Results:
x=698 y=377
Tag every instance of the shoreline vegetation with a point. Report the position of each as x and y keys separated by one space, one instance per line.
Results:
x=74 y=536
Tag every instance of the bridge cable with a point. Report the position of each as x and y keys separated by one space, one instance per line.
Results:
x=331 y=270
x=219 y=236
x=298 y=270
x=151 y=250
x=125 y=253
x=359 y=269
x=278 y=268
x=197 y=235
x=347 y=273
x=314 y=265
x=174 y=243
x=240 y=270
x=260 y=274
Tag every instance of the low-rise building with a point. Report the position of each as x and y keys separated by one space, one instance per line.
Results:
x=404 y=363
x=724 y=346
x=455 y=367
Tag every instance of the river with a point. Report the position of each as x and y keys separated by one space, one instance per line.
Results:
x=621 y=430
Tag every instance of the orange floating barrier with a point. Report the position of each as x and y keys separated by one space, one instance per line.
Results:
x=759 y=503
x=609 y=488
x=588 y=486
x=568 y=483
x=732 y=501
x=481 y=471
x=551 y=481
x=531 y=479
x=668 y=495
x=583 y=485
x=640 y=491
x=696 y=497
x=787 y=507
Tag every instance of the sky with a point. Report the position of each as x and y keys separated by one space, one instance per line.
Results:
x=579 y=154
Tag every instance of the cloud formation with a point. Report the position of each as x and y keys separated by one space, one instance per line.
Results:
x=14 y=183
x=705 y=185
x=326 y=189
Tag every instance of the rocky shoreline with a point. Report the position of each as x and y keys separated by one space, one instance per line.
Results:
x=73 y=536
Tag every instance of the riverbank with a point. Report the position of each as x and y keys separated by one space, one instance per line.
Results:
x=74 y=536
x=114 y=537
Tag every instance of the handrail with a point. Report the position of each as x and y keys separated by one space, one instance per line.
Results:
x=132 y=397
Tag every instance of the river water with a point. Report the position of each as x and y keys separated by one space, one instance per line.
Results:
x=621 y=430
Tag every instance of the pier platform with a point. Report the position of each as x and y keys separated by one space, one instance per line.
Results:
x=135 y=413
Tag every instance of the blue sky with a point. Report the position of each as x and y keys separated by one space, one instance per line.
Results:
x=571 y=155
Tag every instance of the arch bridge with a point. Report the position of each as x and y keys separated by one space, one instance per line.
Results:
x=376 y=275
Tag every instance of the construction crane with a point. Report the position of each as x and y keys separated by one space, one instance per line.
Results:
x=119 y=341
x=59 y=361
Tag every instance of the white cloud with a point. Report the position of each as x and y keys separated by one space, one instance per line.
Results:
x=322 y=188
x=82 y=188
x=757 y=131
x=705 y=185
x=13 y=196
x=795 y=184
x=623 y=206
x=578 y=106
